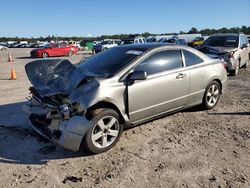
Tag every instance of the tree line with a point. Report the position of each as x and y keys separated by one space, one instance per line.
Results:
x=243 y=29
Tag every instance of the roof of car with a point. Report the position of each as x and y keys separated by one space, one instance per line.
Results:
x=151 y=46
x=227 y=34
x=144 y=46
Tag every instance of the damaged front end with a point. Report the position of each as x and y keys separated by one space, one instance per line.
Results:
x=226 y=54
x=65 y=124
x=54 y=116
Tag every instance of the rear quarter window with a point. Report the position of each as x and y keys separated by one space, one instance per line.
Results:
x=191 y=58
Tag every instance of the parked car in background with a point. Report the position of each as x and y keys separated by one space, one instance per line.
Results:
x=2 y=44
x=12 y=45
x=89 y=104
x=30 y=45
x=248 y=38
x=134 y=40
x=198 y=41
x=9 y=44
x=173 y=41
x=26 y=45
x=87 y=44
x=40 y=44
x=97 y=42
x=232 y=47
x=54 y=49
x=3 y=48
x=106 y=44
x=153 y=39
x=77 y=44
x=17 y=45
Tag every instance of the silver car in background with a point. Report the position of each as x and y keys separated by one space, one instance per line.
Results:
x=234 y=48
x=89 y=104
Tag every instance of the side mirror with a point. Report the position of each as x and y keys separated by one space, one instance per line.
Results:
x=138 y=75
x=244 y=46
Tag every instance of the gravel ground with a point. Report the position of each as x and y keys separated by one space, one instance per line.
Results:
x=188 y=149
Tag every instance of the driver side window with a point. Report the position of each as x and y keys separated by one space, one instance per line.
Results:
x=161 y=61
x=242 y=41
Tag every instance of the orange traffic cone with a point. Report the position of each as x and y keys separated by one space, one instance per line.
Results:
x=13 y=74
x=10 y=59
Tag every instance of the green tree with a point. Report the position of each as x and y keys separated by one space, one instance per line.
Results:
x=244 y=29
x=193 y=30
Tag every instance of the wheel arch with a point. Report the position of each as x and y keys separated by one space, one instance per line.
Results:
x=220 y=83
x=45 y=52
x=217 y=79
x=104 y=104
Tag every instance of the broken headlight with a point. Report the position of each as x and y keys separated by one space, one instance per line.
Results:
x=68 y=111
x=65 y=111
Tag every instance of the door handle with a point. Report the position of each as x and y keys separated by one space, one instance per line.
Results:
x=180 y=76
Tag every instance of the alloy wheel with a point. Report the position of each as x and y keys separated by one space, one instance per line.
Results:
x=45 y=55
x=105 y=132
x=212 y=95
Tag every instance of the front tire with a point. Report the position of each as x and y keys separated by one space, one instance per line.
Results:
x=211 y=95
x=105 y=131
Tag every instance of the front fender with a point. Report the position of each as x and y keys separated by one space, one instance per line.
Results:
x=91 y=94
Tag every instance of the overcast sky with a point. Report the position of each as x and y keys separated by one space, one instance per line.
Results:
x=26 y=18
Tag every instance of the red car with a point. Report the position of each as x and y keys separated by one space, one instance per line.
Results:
x=51 y=50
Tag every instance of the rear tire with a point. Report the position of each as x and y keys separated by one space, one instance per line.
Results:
x=105 y=132
x=70 y=53
x=211 y=95
x=45 y=55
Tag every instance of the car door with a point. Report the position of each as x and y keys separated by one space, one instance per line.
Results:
x=63 y=50
x=52 y=50
x=244 y=50
x=198 y=76
x=165 y=89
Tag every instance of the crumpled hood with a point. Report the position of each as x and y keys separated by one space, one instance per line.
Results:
x=55 y=76
x=217 y=50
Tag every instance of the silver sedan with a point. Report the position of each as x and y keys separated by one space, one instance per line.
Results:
x=89 y=104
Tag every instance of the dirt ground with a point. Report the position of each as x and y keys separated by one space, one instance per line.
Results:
x=188 y=149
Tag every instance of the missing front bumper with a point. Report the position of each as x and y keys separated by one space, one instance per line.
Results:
x=66 y=133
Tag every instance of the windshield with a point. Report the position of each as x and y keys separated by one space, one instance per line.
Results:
x=105 y=42
x=128 y=41
x=171 y=41
x=162 y=40
x=198 y=38
x=105 y=64
x=223 y=41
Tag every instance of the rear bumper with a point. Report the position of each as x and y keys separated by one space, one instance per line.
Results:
x=65 y=133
